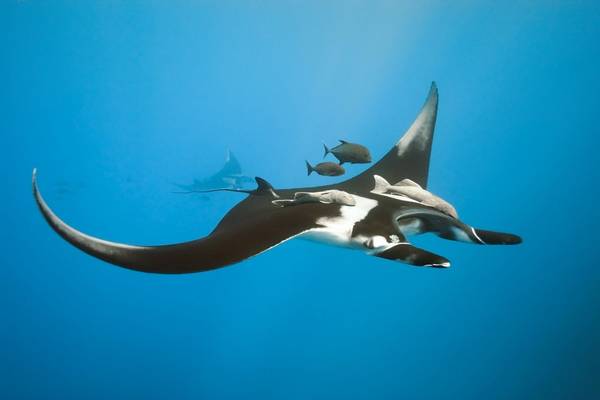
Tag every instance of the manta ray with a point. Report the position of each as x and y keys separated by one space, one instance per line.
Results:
x=375 y=222
x=229 y=176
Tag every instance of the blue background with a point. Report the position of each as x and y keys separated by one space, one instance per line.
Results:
x=114 y=100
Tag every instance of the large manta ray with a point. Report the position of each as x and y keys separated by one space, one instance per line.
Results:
x=375 y=222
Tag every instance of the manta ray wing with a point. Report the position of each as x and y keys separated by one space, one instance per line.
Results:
x=409 y=158
x=253 y=226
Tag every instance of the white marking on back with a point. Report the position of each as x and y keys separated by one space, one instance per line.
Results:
x=419 y=133
x=412 y=138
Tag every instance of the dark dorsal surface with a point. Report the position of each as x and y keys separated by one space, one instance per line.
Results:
x=254 y=225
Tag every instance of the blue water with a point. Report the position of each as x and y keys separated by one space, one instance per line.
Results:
x=112 y=101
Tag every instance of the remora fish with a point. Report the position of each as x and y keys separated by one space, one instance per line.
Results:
x=413 y=190
x=326 y=168
x=325 y=197
x=379 y=225
x=349 y=152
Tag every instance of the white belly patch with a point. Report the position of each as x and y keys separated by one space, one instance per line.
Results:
x=338 y=230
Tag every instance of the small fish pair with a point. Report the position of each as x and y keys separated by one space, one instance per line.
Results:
x=352 y=153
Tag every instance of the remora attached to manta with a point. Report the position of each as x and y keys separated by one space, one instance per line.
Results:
x=376 y=223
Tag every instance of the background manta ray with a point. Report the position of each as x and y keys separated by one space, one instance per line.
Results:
x=229 y=176
x=377 y=223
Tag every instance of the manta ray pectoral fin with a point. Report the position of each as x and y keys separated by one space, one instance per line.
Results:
x=409 y=254
x=409 y=158
x=251 y=227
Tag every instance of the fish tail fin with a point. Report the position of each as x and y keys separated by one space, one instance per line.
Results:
x=327 y=151
x=381 y=185
x=309 y=168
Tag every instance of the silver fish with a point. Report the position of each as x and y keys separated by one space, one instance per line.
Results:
x=349 y=152
x=326 y=168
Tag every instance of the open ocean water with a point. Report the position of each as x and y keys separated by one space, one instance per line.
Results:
x=113 y=101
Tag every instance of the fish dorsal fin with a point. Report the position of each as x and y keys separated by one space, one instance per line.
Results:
x=408 y=182
x=343 y=141
x=381 y=185
x=264 y=187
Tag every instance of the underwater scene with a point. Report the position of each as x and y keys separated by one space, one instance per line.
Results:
x=361 y=200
